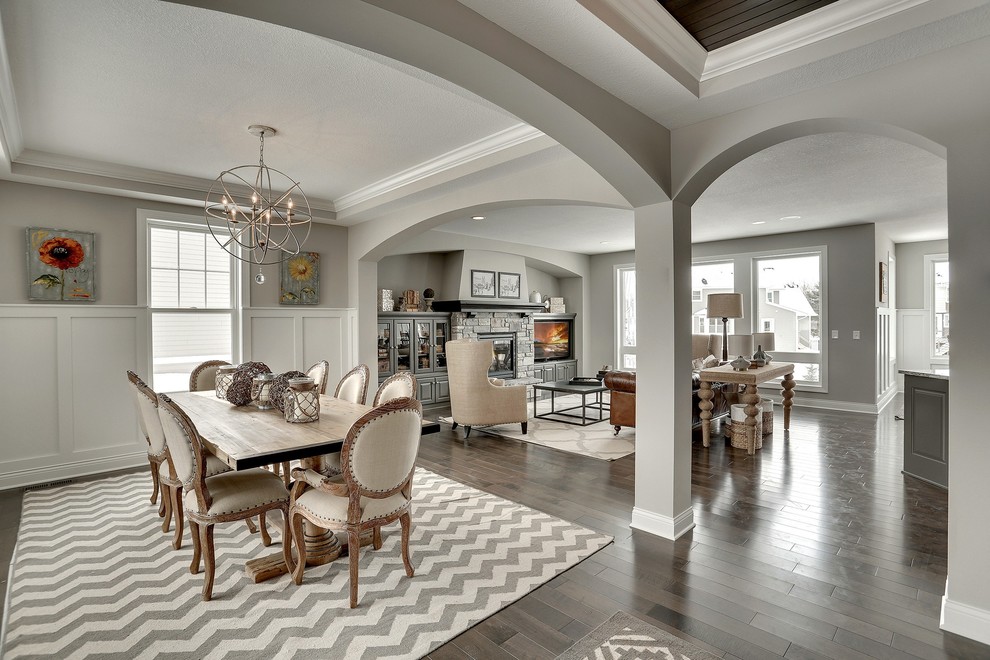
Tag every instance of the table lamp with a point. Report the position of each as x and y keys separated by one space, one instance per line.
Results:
x=725 y=306
x=740 y=345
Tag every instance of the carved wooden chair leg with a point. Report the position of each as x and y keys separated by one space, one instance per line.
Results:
x=376 y=538
x=354 y=553
x=177 y=509
x=194 y=533
x=167 y=500
x=251 y=526
x=210 y=559
x=300 y=542
x=266 y=538
x=155 y=484
x=406 y=521
x=286 y=539
x=286 y=473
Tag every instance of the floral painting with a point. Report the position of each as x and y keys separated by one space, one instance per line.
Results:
x=61 y=265
x=299 y=279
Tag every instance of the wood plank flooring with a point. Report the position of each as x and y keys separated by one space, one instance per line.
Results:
x=817 y=547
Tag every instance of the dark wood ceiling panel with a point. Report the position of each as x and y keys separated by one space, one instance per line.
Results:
x=716 y=23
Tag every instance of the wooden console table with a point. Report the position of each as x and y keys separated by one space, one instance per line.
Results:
x=750 y=378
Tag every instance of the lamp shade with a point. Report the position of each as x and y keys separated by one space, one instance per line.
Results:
x=764 y=340
x=725 y=305
x=740 y=345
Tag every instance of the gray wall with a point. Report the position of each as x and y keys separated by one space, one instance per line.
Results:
x=851 y=305
x=413 y=271
x=911 y=271
x=114 y=221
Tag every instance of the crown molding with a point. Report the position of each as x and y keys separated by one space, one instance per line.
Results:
x=829 y=21
x=510 y=137
x=11 y=138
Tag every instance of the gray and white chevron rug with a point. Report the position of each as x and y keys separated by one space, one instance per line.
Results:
x=93 y=576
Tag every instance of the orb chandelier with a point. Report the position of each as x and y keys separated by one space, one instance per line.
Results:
x=257 y=213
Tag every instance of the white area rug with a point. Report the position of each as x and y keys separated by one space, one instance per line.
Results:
x=595 y=440
x=93 y=576
x=624 y=637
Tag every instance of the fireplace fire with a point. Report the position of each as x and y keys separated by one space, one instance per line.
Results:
x=504 y=358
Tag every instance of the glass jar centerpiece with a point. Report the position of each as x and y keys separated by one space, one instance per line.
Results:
x=261 y=387
x=225 y=376
x=302 y=401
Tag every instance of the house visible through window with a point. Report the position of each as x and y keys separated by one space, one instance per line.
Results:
x=789 y=288
x=190 y=299
x=937 y=301
x=625 y=277
x=706 y=278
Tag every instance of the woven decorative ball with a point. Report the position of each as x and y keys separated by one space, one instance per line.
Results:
x=239 y=392
x=280 y=385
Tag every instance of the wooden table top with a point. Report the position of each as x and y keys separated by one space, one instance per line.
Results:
x=245 y=437
x=726 y=374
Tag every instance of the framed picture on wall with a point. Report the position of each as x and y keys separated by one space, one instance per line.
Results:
x=884 y=286
x=61 y=265
x=299 y=279
x=508 y=285
x=482 y=283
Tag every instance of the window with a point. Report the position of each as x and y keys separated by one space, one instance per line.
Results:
x=190 y=297
x=706 y=278
x=937 y=302
x=625 y=277
x=696 y=295
x=789 y=288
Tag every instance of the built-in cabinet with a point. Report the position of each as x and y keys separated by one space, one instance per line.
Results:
x=549 y=372
x=416 y=342
x=926 y=426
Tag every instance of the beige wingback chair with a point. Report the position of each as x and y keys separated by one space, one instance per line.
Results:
x=474 y=399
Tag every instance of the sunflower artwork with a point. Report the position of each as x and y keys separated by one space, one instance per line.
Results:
x=61 y=265
x=299 y=277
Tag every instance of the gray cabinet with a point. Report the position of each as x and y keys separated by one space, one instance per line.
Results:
x=926 y=428
x=566 y=369
x=416 y=342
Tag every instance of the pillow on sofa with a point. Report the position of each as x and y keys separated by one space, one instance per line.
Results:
x=710 y=361
x=698 y=363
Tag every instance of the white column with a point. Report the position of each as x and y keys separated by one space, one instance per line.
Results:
x=966 y=605
x=663 y=370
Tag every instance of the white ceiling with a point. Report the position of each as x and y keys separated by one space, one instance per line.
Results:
x=163 y=90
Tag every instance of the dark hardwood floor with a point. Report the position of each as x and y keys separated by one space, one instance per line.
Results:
x=817 y=547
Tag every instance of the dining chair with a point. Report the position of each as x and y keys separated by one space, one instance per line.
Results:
x=204 y=376
x=146 y=402
x=224 y=497
x=163 y=470
x=353 y=386
x=402 y=384
x=375 y=488
x=320 y=372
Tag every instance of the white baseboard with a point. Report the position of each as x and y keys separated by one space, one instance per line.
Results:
x=663 y=526
x=888 y=396
x=841 y=406
x=45 y=474
x=965 y=620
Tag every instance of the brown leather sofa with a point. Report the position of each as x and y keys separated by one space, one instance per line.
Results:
x=622 y=388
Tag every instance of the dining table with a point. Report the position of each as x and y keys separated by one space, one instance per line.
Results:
x=246 y=437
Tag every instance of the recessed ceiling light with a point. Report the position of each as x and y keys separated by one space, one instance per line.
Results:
x=790 y=217
x=760 y=222
x=606 y=242
x=477 y=217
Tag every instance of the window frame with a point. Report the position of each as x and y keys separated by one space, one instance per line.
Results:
x=930 y=261
x=146 y=219
x=620 y=349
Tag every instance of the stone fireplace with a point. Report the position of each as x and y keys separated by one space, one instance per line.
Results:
x=504 y=328
x=504 y=348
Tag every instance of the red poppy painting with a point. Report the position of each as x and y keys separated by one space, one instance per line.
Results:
x=61 y=265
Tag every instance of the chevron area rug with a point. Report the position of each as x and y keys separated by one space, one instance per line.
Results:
x=626 y=637
x=93 y=576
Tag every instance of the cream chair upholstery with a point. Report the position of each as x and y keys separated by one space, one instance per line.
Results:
x=204 y=376
x=375 y=489
x=353 y=386
x=402 y=384
x=224 y=497
x=320 y=372
x=146 y=403
x=474 y=399
x=704 y=345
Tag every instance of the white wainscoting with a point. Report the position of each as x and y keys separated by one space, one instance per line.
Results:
x=64 y=403
x=913 y=335
x=886 y=356
x=287 y=338
x=65 y=407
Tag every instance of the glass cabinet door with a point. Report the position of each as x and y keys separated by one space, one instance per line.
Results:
x=404 y=344
x=442 y=329
x=385 y=366
x=423 y=334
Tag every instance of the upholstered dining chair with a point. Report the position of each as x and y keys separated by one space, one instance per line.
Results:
x=402 y=384
x=146 y=403
x=320 y=372
x=375 y=488
x=224 y=497
x=204 y=376
x=474 y=399
x=164 y=472
x=353 y=386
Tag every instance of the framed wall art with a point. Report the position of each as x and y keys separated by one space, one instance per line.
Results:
x=508 y=285
x=61 y=265
x=299 y=279
x=482 y=283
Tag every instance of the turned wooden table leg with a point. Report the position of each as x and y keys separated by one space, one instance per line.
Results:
x=787 y=392
x=706 y=394
x=751 y=398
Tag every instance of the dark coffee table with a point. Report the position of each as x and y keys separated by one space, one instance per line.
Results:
x=565 y=387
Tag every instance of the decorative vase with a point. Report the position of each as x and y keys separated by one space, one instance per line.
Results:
x=427 y=304
x=535 y=297
x=760 y=357
x=740 y=364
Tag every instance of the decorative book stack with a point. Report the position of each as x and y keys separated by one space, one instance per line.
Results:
x=410 y=300
x=385 y=301
x=557 y=306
